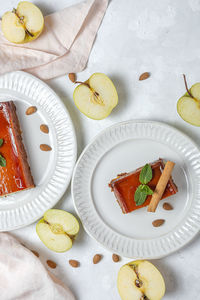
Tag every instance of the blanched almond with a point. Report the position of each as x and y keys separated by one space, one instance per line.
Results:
x=97 y=258
x=45 y=147
x=51 y=264
x=31 y=110
x=167 y=206
x=158 y=222
x=74 y=263
x=144 y=76
x=44 y=128
x=72 y=77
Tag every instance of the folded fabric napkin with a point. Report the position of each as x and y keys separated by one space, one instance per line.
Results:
x=64 y=45
x=23 y=276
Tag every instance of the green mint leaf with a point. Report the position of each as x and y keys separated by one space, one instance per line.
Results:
x=146 y=174
x=2 y=161
x=1 y=142
x=140 y=196
x=146 y=189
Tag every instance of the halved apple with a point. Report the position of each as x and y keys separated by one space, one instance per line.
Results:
x=140 y=280
x=57 y=230
x=188 y=106
x=96 y=97
x=23 y=24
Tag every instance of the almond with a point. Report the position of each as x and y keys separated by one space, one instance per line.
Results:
x=44 y=128
x=31 y=110
x=144 y=76
x=167 y=206
x=35 y=253
x=72 y=77
x=97 y=258
x=158 y=222
x=74 y=263
x=45 y=147
x=115 y=257
x=51 y=264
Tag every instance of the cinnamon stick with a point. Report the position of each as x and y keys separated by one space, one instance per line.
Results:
x=160 y=187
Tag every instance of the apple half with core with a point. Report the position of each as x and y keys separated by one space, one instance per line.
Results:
x=96 y=97
x=188 y=106
x=140 y=280
x=57 y=230
x=23 y=24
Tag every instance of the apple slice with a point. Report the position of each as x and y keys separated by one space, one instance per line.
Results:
x=23 y=24
x=57 y=230
x=96 y=97
x=188 y=106
x=140 y=280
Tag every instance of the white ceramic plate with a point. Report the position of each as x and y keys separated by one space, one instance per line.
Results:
x=51 y=170
x=123 y=148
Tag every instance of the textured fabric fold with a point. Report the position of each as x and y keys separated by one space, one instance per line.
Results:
x=23 y=276
x=64 y=45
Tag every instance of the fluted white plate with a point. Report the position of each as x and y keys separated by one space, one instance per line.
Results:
x=51 y=170
x=123 y=148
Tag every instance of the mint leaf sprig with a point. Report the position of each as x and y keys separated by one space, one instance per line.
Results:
x=143 y=189
x=2 y=159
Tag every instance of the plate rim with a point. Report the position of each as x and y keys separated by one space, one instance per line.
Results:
x=76 y=167
x=74 y=157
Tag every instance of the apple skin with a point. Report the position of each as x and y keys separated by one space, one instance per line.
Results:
x=102 y=84
x=152 y=283
x=8 y=20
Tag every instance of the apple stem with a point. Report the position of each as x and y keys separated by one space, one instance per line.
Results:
x=82 y=83
x=186 y=86
x=21 y=21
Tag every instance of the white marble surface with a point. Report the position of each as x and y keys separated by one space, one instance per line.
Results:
x=161 y=37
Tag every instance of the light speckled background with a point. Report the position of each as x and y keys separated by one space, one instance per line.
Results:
x=162 y=37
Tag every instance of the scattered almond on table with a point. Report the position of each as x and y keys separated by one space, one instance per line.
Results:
x=74 y=263
x=158 y=222
x=31 y=110
x=167 y=206
x=72 y=77
x=45 y=147
x=115 y=257
x=51 y=264
x=44 y=128
x=97 y=258
x=35 y=253
x=144 y=76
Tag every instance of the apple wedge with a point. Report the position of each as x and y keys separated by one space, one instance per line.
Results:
x=57 y=230
x=140 y=280
x=96 y=97
x=23 y=24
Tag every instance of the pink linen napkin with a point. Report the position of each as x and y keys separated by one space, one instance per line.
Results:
x=64 y=45
x=23 y=276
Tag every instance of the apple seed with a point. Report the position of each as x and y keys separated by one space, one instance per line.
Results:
x=74 y=263
x=35 y=253
x=115 y=257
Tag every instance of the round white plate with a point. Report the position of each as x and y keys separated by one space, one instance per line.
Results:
x=51 y=170
x=123 y=148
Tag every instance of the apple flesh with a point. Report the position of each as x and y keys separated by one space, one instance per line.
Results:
x=23 y=24
x=96 y=97
x=57 y=230
x=188 y=106
x=140 y=280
